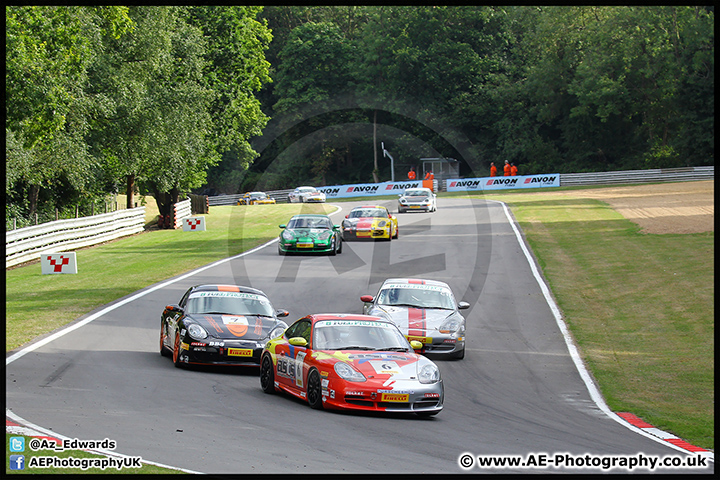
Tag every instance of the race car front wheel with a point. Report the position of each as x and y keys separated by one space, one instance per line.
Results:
x=267 y=377
x=314 y=390
x=176 y=351
x=163 y=349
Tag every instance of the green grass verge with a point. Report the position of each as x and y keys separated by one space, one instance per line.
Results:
x=641 y=307
x=77 y=457
x=37 y=304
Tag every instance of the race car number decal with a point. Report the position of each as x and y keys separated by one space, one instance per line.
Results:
x=292 y=368
x=240 y=352
x=385 y=367
x=236 y=324
x=394 y=397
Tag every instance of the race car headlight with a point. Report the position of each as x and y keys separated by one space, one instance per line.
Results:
x=403 y=201
x=346 y=372
x=325 y=235
x=382 y=223
x=451 y=325
x=287 y=236
x=196 y=331
x=276 y=332
x=429 y=374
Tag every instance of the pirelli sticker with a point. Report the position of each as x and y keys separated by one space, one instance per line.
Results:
x=395 y=397
x=240 y=352
x=424 y=340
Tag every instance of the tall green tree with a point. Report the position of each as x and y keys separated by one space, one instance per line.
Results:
x=48 y=52
x=323 y=54
x=156 y=128
x=183 y=146
x=236 y=70
x=125 y=82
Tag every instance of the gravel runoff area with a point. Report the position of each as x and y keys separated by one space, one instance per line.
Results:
x=681 y=207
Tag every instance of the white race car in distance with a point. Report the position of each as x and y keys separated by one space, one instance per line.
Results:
x=417 y=199
x=306 y=195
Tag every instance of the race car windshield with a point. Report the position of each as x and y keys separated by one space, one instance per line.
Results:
x=233 y=305
x=415 y=297
x=358 y=337
x=302 y=222
x=416 y=193
x=368 y=213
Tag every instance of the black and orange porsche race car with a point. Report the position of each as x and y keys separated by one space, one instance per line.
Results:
x=219 y=325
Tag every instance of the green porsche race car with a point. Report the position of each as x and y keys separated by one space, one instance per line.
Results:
x=310 y=233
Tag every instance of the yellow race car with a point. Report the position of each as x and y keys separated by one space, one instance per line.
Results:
x=256 y=198
x=373 y=221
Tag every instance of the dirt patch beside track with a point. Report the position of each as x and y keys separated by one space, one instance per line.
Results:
x=682 y=207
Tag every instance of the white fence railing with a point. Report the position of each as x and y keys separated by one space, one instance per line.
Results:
x=29 y=243
x=182 y=210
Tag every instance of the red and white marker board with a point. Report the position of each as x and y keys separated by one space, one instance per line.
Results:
x=58 y=263
x=193 y=224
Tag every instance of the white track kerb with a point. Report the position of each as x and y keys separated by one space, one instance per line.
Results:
x=587 y=379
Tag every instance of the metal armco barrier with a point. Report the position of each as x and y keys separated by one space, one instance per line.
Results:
x=657 y=175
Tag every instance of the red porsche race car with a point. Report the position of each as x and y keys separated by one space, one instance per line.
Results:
x=345 y=361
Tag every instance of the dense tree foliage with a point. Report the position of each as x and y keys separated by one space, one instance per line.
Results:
x=168 y=99
x=127 y=99
x=553 y=89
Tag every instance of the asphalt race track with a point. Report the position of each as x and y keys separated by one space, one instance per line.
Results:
x=517 y=393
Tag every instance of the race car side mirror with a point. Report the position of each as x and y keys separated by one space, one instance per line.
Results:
x=463 y=305
x=298 y=342
x=173 y=308
x=416 y=345
x=282 y=226
x=281 y=313
x=367 y=298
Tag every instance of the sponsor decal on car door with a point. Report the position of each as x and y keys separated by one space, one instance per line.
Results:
x=290 y=365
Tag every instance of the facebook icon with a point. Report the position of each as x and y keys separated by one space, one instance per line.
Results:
x=17 y=462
